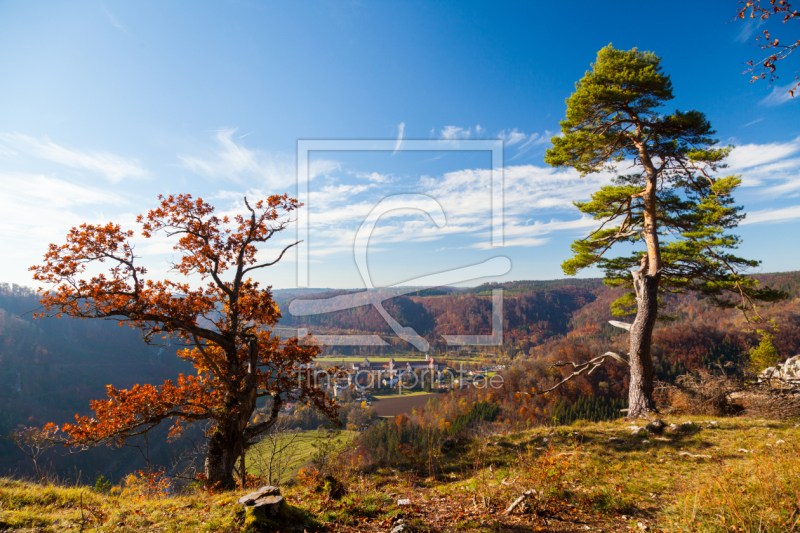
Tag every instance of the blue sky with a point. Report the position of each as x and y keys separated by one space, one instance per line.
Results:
x=105 y=105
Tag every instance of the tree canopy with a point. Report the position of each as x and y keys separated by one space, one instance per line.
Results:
x=664 y=203
x=223 y=325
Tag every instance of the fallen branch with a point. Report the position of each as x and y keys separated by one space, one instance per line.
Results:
x=525 y=495
x=589 y=366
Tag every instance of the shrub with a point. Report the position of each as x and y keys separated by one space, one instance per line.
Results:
x=102 y=485
x=764 y=355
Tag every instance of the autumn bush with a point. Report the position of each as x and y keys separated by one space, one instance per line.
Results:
x=702 y=393
x=147 y=485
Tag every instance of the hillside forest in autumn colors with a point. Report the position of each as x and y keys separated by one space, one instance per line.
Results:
x=50 y=369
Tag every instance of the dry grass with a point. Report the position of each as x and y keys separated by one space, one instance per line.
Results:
x=27 y=506
x=730 y=474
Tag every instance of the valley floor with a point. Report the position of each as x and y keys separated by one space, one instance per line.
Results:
x=731 y=474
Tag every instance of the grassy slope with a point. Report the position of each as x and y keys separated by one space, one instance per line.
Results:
x=586 y=483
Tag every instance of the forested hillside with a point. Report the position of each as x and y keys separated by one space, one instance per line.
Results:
x=51 y=369
x=537 y=312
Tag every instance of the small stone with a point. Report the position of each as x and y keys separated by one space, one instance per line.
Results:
x=642 y=526
x=616 y=440
x=656 y=427
x=638 y=432
x=398 y=528
x=404 y=502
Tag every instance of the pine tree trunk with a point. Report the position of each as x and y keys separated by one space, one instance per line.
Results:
x=640 y=389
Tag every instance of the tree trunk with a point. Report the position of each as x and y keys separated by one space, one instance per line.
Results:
x=640 y=389
x=227 y=445
x=224 y=449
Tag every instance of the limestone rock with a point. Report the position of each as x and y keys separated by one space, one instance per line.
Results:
x=267 y=498
x=656 y=427
x=786 y=373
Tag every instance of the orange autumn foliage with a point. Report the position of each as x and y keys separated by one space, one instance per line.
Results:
x=223 y=324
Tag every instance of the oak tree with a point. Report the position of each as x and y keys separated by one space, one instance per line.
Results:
x=223 y=323
x=669 y=214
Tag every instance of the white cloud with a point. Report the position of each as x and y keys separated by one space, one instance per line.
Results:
x=52 y=193
x=375 y=177
x=38 y=210
x=465 y=197
x=322 y=167
x=234 y=161
x=113 y=167
x=773 y=215
x=512 y=137
x=452 y=133
x=400 y=128
x=510 y=243
x=751 y=155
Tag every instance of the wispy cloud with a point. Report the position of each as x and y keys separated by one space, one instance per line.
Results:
x=113 y=167
x=400 y=128
x=748 y=29
x=773 y=215
x=452 y=133
x=752 y=155
x=38 y=210
x=780 y=95
x=465 y=196
x=534 y=139
x=756 y=121
x=512 y=137
x=112 y=19
x=375 y=177
x=234 y=161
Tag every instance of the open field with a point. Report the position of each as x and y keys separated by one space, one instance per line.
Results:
x=396 y=395
x=359 y=358
x=401 y=404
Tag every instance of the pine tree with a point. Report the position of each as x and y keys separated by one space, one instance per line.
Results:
x=672 y=211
